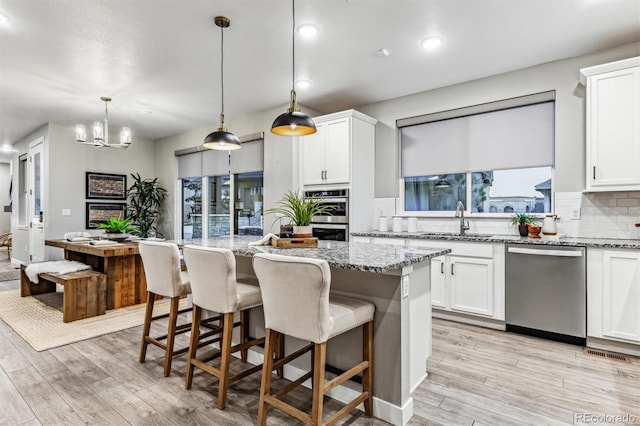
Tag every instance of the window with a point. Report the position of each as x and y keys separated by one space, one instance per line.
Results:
x=494 y=158
x=192 y=208
x=222 y=192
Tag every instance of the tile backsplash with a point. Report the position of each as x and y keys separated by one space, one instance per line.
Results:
x=586 y=215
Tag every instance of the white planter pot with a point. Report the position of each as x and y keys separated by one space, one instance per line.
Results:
x=302 y=231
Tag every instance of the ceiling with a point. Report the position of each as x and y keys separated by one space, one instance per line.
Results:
x=160 y=59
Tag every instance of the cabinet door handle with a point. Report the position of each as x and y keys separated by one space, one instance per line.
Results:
x=452 y=268
x=321 y=174
x=325 y=175
x=594 y=172
x=442 y=268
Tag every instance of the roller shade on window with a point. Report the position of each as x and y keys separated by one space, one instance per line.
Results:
x=248 y=159
x=190 y=165
x=199 y=161
x=496 y=136
x=215 y=163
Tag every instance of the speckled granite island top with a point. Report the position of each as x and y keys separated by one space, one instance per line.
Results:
x=514 y=239
x=345 y=255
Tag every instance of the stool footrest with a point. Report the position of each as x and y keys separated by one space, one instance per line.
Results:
x=346 y=409
x=289 y=409
x=337 y=381
x=285 y=390
x=279 y=363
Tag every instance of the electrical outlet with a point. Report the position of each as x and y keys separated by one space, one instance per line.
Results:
x=405 y=286
x=575 y=213
x=66 y=212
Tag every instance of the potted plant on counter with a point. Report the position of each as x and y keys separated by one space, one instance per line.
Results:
x=118 y=229
x=523 y=220
x=300 y=211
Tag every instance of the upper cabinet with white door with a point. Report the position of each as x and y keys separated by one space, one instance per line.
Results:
x=613 y=125
x=342 y=147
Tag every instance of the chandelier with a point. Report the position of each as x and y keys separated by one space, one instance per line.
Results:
x=101 y=132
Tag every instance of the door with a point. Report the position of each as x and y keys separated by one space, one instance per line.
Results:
x=614 y=128
x=621 y=295
x=36 y=200
x=471 y=285
x=438 y=278
x=337 y=151
x=312 y=148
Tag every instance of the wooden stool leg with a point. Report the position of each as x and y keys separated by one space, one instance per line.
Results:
x=319 y=360
x=367 y=375
x=193 y=344
x=244 y=333
x=171 y=335
x=147 y=325
x=225 y=359
x=279 y=351
x=270 y=340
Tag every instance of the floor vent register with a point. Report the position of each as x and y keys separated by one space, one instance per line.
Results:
x=606 y=354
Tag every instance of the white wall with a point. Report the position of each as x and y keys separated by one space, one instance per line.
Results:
x=5 y=181
x=561 y=76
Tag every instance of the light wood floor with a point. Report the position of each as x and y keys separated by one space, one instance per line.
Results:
x=476 y=377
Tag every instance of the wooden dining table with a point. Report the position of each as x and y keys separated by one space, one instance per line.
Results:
x=126 y=281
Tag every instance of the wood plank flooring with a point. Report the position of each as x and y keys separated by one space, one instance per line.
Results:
x=476 y=377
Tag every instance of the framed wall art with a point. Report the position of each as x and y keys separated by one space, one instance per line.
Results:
x=105 y=186
x=98 y=213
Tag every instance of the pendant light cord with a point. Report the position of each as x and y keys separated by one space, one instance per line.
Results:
x=222 y=74
x=293 y=45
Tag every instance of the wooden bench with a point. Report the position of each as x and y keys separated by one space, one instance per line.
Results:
x=84 y=292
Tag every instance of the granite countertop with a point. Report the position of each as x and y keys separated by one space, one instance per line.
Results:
x=365 y=257
x=513 y=239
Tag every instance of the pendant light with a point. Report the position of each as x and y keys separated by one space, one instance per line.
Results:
x=293 y=122
x=221 y=139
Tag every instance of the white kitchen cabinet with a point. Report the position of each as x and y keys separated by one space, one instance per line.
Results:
x=338 y=149
x=326 y=154
x=613 y=294
x=613 y=125
x=469 y=281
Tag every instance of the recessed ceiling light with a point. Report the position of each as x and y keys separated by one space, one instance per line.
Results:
x=307 y=30
x=303 y=84
x=383 y=53
x=431 y=42
x=4 y=18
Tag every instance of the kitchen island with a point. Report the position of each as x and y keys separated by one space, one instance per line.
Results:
x=397 y=281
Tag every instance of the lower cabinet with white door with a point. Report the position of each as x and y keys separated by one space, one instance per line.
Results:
x=468 y=284
x=613 y=299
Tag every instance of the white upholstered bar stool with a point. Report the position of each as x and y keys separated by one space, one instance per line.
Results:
x=215 y=288
x=296 y=302
x=161 y=262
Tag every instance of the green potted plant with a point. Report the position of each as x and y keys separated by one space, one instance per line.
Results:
x=523 y=220
x=146 y=198
x=118 y=229
x=300 y=211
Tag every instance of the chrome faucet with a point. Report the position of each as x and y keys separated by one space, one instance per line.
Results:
x=460 y=214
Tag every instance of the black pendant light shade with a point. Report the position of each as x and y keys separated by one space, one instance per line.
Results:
x=221 y=139
x=293 y=122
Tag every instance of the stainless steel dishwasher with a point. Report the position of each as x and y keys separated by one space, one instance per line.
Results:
x=545 y=289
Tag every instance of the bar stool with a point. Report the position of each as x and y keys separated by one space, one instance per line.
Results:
x=161 y=262
x=215 y=288
x=296 y=302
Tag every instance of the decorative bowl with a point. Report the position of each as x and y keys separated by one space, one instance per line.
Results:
x=116 y=236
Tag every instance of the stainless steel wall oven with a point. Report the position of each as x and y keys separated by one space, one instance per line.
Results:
x=334 y=225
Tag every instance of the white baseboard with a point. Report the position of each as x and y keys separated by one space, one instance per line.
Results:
x=469 y=319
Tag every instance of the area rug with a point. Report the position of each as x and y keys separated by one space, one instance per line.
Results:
x=41 y=325
x=8 y=271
